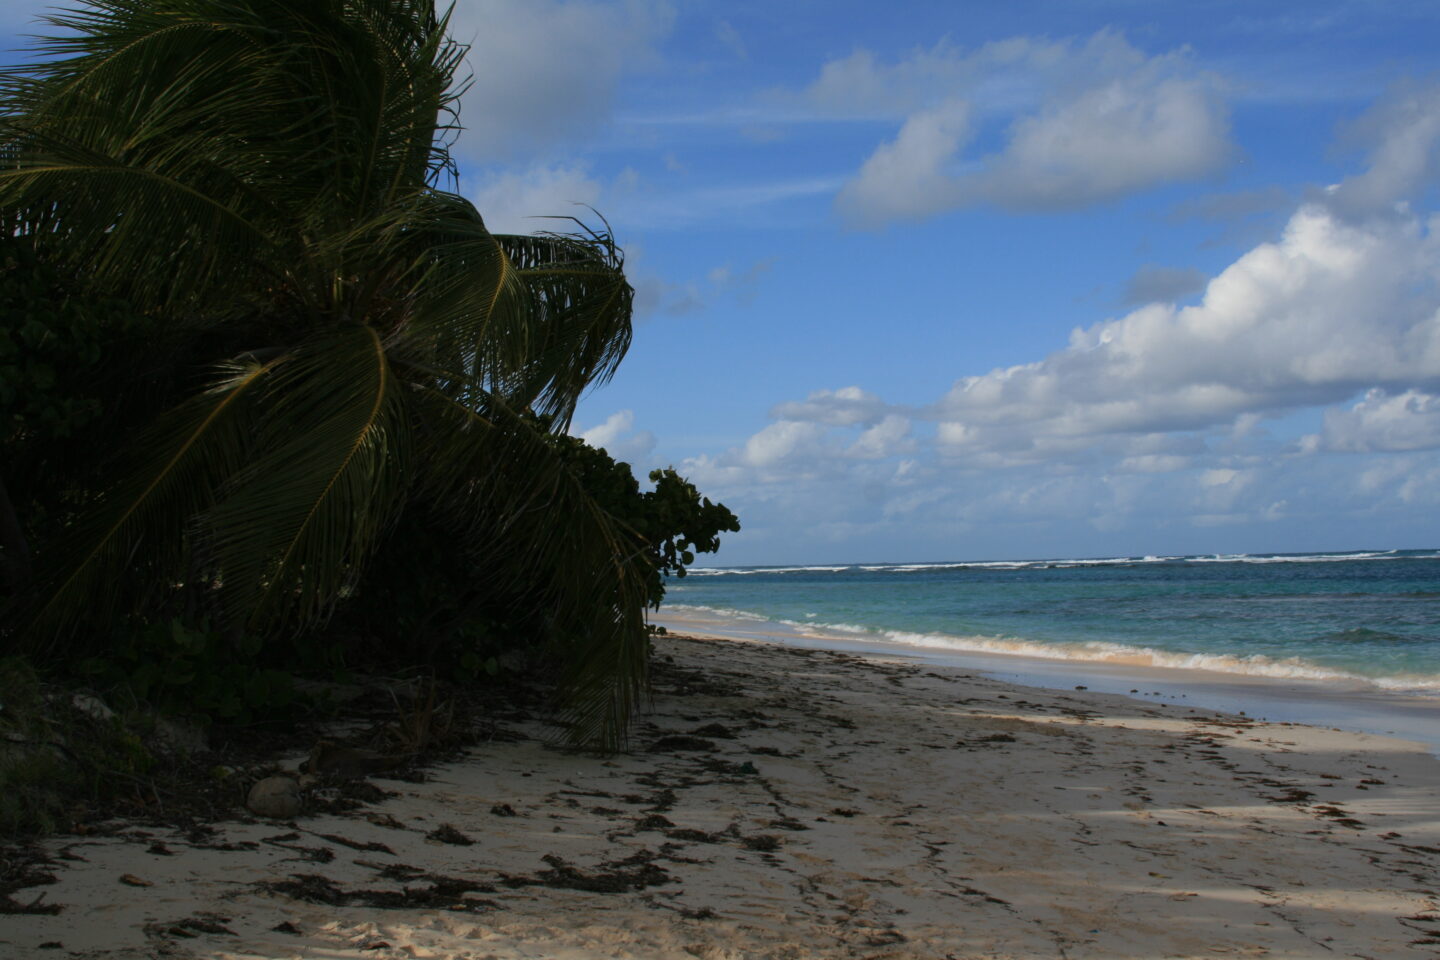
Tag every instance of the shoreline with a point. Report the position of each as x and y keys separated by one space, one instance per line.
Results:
x=1297 y=700
x=782 y=803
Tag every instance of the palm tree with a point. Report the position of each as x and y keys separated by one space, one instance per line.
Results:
x=262 y=180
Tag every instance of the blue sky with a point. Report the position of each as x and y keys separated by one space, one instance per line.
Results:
x=938 y=280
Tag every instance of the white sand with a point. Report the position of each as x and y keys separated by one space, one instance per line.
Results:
x=911 y=811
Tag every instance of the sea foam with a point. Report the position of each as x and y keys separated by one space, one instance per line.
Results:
x=1256 y=665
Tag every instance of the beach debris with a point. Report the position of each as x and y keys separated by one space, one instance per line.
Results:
x=1338 y=815
x=447 y=893
x=717 y=730
x=662 y=801
x=654 y=821
x=764 y=842
x=983 y=895
x=681 y=742
x=18 y=875
x=635 y=872
x=311 y=854
x=34 y=907
x=704 y=913
x=309 y=887
x=195 y=926
x=503 y=810
x=445 y=833
x=275 y=797
x=130 y=880
x=1291 y=795
x=328 y=757
x=286 y=926
x=374 y=846
x=729 y=768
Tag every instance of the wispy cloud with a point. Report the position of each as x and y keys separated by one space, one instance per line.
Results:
x=724 y=204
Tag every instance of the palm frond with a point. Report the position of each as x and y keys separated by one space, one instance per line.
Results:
x=293 y=528
x=502 y=484
x=535 y=320
x=155 y=132
x=175 y=472
x=583 y=305
x=264 y=177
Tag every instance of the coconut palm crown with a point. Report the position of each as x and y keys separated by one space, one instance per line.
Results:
x=263 y=181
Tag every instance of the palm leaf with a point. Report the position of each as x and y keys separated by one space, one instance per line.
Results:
x=502 y=484
x=533 y=319
x=294 y=526
x=179 y=465
x=262 y=179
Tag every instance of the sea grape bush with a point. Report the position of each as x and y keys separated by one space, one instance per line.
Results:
x=670 y=523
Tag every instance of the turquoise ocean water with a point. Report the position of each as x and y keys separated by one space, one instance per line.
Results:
x=1363 y=619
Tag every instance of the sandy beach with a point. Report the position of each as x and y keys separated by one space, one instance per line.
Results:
x=780 y=802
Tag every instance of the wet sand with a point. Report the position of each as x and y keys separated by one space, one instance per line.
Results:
x=1347 y=706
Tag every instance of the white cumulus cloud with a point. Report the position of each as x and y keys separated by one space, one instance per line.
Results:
x=545 y=71
x=1089 y=121
x=784 y=440
x=617 y=436
x=521 y=201
x=1331 y=308
x=907 y=178
x=887 y=438
x=844 y=407
x=1169 y=424
x=1402 y=132
x=1383 y=422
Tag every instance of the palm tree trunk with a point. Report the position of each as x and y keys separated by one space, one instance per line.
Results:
x=14 y=548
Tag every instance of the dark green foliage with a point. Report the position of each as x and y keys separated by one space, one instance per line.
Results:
x=333 y=403
x=55 y=755
x=668 y=524
x=194 y=673
x=430 y=600
x=73 y=370
x=49 y=347
x=35 y=777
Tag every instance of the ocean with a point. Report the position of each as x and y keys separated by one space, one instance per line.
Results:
x=1360 y=620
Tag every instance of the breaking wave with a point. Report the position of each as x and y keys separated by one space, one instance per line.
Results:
x=1256 y=665
x=1065 y=564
